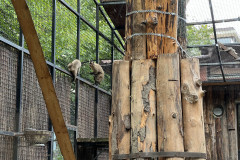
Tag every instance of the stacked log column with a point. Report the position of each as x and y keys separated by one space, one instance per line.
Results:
x=147 y=102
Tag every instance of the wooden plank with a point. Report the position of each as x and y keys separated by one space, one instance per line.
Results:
x=169 y=111
x=219 y=139
x=143 y=106
x=44 y=78
x=167 y=24
x=151 y=27
x=192 y=97
x=120 y=136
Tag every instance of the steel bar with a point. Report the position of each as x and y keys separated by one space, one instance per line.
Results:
x=215 y=38
x=217 y=21
x=213 y=45
x=112 y=3
x=19 y=96
x=161 y=154
x=217 y=64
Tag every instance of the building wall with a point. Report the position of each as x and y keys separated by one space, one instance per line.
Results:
x=221 y=133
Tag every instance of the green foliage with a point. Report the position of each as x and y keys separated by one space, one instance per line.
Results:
x=199 y=35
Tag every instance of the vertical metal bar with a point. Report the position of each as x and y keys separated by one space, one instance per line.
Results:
x=19 y=96
x=77 y=82
x=53 y=73
x=112 y=57
x=215 y=38
x=97 y=61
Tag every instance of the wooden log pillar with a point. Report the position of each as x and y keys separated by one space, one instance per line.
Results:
x=169 y=110
x=44 y=78
x=119 y=136
x=143 y=106
x=135 y=46
x=192 y=100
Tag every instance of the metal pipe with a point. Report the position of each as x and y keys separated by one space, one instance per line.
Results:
x=217 y=21
x=213 y=45
x=215 y=38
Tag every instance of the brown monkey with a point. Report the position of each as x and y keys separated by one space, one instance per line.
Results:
x=97 y=72
x=74 y=67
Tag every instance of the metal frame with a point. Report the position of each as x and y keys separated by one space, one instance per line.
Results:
x=54 y=67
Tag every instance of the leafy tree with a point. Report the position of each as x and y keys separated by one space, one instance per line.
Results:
x=198 y=35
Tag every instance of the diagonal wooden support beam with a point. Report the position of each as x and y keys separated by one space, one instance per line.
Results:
x=44 y=78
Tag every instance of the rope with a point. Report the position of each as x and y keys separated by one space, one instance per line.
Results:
x=156 y=11
x=159 y=35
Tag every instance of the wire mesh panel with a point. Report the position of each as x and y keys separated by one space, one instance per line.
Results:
x=104 y=104
x=8 y=81
x=88 y=11
x=9 y=26
x=102 y=153
x=198 y=11
x=72 y=3
x=86 y=111
x=6 y=147
x=66 y=36
x=34 y=112
x=225 y=9
x=41 y=12
x=63 y=90
x=28 y=152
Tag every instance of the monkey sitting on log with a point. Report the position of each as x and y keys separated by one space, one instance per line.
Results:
x=97 y=72
x=74 y=67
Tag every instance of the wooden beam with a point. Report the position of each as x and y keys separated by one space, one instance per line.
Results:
x=192 y=101
x=167 y=24
x=44 y=78
x=120 y=126
x=169 y=110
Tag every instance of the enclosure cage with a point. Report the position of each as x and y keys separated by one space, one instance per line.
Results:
x=94 y=30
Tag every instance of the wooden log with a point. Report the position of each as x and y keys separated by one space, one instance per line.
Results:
x=143 y=106
x=167 y=24
x=44 y=78
x=120 y=129
x=128 y=31
x=169 y=111
x=192 y=96
x=151 y=27
x=138 y=43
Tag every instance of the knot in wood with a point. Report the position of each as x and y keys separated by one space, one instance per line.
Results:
x=174 y=115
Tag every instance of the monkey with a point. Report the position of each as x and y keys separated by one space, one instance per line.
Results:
x=97 y=72
x=74 y=67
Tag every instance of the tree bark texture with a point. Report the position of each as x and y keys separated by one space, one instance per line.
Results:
x=143 y=106
x=169 y=111
x=120 y=118
x=192 y=100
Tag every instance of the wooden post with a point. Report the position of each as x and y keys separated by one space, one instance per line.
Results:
x=151 y=23
x=143 y=106
x=44 y=78
x=135 y=24
x=169 y=111
x=120 y=118
x=167 y=25
x=192 y=97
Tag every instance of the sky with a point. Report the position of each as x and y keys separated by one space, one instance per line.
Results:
x=198 y=10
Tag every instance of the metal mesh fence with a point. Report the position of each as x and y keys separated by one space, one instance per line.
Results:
x=86 y=111
x=9 y=26
x=35 y=114
x=102 y=153
x=66 y=36
x=6 y=147
x=103 y=108
x=88 y=11
x=8 y=81
x=41 y=13
x=63 y=90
